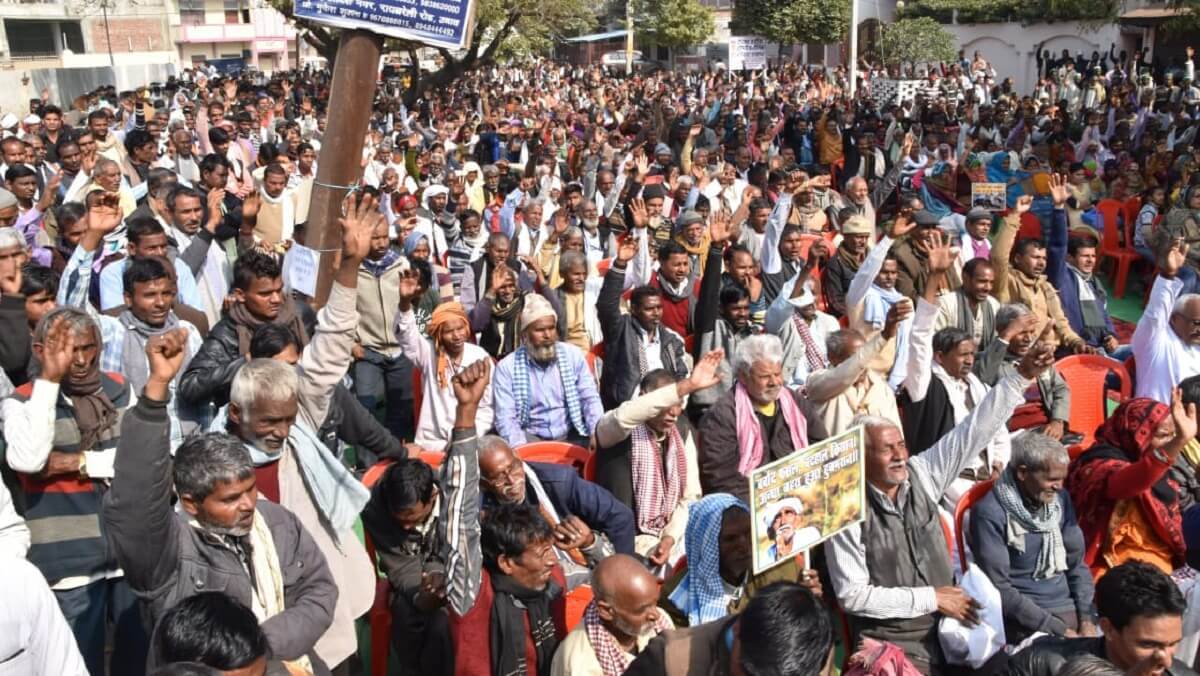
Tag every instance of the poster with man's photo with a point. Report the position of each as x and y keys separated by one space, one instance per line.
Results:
x=990 y=196
x=802 y=500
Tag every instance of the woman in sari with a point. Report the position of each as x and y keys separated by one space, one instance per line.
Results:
x=1128 y=507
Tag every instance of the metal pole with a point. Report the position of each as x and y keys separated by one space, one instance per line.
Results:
x=628 y=36
x=853 y=69
x=339 y=164
x=107 y=37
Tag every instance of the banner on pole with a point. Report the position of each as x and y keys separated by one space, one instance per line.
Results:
x=440 y=23
x=802 y=500
x=747 y=52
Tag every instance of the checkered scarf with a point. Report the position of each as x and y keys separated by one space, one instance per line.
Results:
x=570 y=390
x=700 y=593
x=658 y=478
x=613 y=661
x=812 y=354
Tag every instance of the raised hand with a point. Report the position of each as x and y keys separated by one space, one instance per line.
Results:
x=57 y=351
x=903 y=224
x=357 y=226
x=1039 y=357
x=250 y=208
x=637 y=209
x=410 y=287
x=164 y=353
x=720 y=226
x=902 y=310
x=105 y=215
x=215 y=200
x=1184 y=417
x=941 y=255
x=817 y=254
x=1024 y=203
x=470 y=383
x=1058 y=190
x=1172 y=258
x=627 y=248
x=706 y=372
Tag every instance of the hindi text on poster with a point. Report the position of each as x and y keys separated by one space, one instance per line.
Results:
x=804 y=499
x=441 y=23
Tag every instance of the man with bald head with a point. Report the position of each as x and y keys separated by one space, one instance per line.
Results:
x=1166 y=343
x=588 y=522
x=622 y=618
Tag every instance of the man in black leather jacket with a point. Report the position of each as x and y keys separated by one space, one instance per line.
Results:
x=1141 y=615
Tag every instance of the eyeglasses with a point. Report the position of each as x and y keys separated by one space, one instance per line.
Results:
x=509 y=477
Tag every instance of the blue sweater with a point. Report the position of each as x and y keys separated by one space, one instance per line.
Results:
x=1030 y=605
x=571 y=495
x=1068 y=284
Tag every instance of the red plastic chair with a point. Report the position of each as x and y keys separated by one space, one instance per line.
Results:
x=557 y=452
x=433 y=458
x=1031 y=227
x=1123 y=257
x=593 y=355
x=379 y=617
x=603 y=266
x=975 y=494
x=589 y=468
x=834 y=170
x=577 y=602
x=1131 y=207
x=1086 y=375
x=1131 y=369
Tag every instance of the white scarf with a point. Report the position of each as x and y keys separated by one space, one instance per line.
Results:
x=287 y=201
x=214 y=276
x=999 y=449
x=1085 y=287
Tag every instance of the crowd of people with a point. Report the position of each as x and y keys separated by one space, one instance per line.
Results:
x=686 y=275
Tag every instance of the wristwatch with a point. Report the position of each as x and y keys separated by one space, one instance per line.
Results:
x=83 y=465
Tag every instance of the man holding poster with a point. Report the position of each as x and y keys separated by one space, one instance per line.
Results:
x=892 y=573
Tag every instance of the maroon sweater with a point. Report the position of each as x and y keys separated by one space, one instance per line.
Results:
x=471 y=631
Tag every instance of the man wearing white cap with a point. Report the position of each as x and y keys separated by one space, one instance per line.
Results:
x=9 y=125
x=544 y=390
x=779 y=520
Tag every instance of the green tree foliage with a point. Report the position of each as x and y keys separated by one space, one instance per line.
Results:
x=792 y=21
x=1023 y=11
x=673 y=23
x=918 y=40
x=503 y=28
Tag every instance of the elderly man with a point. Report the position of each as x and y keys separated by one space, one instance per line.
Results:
x=636 y=342
x=756 y=422
x=892 y=574
x=648 y=461
x=849 y=387
x=62 y=432
x=621 y=620
x=857 y=233
x=1166 y=343
x=221 y=537
x=971 y=308
x=1017 y=329
x=275 y=210
x=794 y=317
x=277 y=409
x=544 y=389
x=1026 y=539
x=864 y=199
x=913 y=258
x=505 y=589
x=1023 y=279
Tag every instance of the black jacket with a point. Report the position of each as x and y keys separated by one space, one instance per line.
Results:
x=15 y=350
x=166 y=560
x=211 y=370
x=1048 y=655
x=621 y=375
x=349 y=421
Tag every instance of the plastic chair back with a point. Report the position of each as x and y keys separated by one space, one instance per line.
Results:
x=1111 y=212
x=1086 y=375
x=433 y=458
x=557 y=452
x=975 y=494
x=595 y=360
x=1131 y=208
x=577 y=602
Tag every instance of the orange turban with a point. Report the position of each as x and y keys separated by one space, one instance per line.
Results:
x=444 y=315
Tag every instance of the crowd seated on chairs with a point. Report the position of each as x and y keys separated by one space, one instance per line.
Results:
x=512 y=422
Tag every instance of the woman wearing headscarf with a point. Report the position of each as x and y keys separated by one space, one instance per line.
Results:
x=717 y=579
x=1128 y=507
